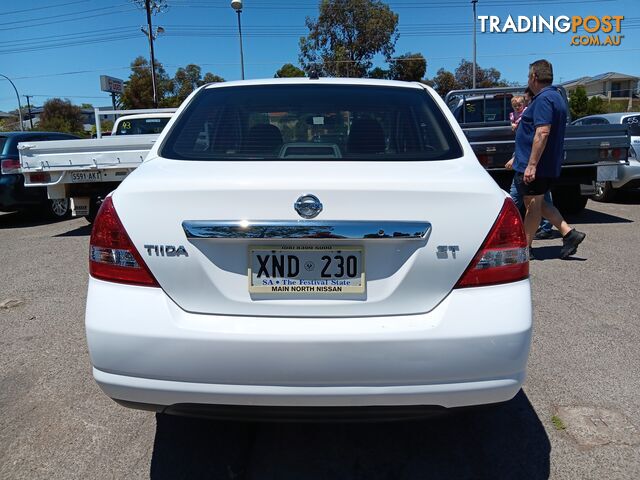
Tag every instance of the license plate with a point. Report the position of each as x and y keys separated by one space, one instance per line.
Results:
x=306 y=270
x=86 y=177
x=607 y=173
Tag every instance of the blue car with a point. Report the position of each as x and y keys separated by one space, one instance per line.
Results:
x=13 y=194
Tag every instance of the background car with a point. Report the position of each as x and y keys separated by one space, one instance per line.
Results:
x=628 y=175
x=13 y=194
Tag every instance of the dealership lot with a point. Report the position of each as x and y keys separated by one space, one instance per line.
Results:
x=578 y=416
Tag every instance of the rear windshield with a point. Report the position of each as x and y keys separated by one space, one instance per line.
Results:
x=3 y=141
x=141 y=126
x=294 y=122
x=483 y=110
x=634 y=125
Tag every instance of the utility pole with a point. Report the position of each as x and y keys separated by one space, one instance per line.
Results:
x=29 y=109
x=147 y=6
x=474 y=41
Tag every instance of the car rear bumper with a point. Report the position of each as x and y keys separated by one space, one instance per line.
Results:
x=472 y=349
x=628 y=175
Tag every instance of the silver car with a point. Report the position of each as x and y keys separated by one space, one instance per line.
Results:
x=628 y=174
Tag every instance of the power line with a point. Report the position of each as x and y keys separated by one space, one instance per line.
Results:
x=42 y=8
x=114 y=12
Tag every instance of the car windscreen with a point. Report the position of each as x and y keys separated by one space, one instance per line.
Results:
x=141 y=126
x=634 y=125
x=306 y=122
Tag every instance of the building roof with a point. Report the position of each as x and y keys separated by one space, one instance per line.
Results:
x=599 y=78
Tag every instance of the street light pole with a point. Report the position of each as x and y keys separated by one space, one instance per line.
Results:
x=237 y=6
x=18 y=97
x=474 y=42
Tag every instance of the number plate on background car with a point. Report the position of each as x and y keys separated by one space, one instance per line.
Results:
x=316 y=270
x=82 y=177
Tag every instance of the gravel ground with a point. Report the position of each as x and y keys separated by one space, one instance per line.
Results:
x=578 y=416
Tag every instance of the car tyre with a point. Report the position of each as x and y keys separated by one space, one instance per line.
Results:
x=59 y=208
x=604 y=192
x=568 y=199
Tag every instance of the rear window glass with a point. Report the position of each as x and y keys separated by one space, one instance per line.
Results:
x=141 y=126
x=634 y=125
x=312 y=122
x=3 y=141
x=483 y=110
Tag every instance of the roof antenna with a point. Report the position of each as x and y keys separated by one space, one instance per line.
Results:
x=314 y=71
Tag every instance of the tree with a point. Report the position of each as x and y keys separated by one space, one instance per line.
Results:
x=484 y=78
x=379 y=73
x=409 y=67
x=444 y=82
x=347 y=35
x=578 y=102
x=138 y=91
x=185 y=81
x=288 y=70
x=60 y=115
x=595 y=105
x=211 y=78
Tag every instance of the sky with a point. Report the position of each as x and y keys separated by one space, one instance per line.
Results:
x=59 y=48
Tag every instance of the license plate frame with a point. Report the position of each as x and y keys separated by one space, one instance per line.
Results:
x=86 y=177
x=280 y=286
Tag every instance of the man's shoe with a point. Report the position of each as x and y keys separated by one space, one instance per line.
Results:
x=543 y=235
x=570 y=243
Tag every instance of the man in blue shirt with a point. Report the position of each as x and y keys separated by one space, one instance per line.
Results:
x=539 y=154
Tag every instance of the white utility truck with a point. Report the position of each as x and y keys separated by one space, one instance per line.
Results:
x=85 y=171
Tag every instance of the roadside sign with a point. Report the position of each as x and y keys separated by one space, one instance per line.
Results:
x=111 y=84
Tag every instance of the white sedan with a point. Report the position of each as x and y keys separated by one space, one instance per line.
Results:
x=306 y=244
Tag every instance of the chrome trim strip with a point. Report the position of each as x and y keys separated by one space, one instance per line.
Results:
x=306 y=229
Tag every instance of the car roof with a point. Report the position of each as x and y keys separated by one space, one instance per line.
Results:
x=16 y=134
x=319 y=81
x=145 y=115
x=612 y=117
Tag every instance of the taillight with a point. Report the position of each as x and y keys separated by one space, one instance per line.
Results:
x=39 y=178
x=10 y=165
x=504 y=255
x=113 y=257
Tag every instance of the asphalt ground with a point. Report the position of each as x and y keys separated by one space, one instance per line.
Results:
x=578 y=416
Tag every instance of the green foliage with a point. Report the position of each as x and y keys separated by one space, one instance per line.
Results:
x=7 y=124
x=288 y=70
x=347 y=35
x=105 y=126
x=444 y=82
x=578 y=102
x=616 y=107
x=595 y=105
x=185 y=81
x=558 y=423
x=60 y=115
x=379 y=73
x=138 y=91
x=485 y=78
x=211 y=78
x=171 y=92
x=409 y=67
